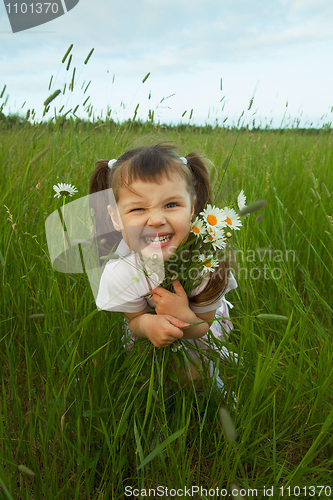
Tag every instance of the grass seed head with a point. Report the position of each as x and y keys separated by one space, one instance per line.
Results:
x=227 y=424
x=72 y=82
x=145 y=78
x=36 y=316
x=328 y=194
x=252 y=207
x=272 y=317
x=68 y=51
x=69 y=62
x=314 y=180
x=236 y=491
x=89 y=56
x=40 y=154
x=85 y=90
x=315 y=193
x=25 y=470
x=52 y=97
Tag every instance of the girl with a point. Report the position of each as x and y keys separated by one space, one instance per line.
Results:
x=157 y=196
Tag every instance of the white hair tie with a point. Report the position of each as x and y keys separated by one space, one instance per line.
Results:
x=111 y=163
x=183 y=159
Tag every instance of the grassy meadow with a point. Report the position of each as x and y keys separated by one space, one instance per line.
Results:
x=79 y=413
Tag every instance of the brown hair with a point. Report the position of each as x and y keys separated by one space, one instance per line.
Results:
x=152 y=164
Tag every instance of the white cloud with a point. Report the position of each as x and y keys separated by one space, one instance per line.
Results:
x=187 y=45
x=309 y=7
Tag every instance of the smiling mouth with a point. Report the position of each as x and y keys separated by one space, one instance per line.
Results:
x=162 y=239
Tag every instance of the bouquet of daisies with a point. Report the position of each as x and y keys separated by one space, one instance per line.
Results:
x=199 y=254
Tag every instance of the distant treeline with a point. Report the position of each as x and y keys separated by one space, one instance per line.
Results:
x=11 y=121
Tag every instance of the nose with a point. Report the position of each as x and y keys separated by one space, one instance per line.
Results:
x=156 y=218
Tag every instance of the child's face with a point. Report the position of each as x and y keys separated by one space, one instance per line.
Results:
x=162 y=210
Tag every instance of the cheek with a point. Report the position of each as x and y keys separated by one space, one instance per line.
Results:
x=132 y=233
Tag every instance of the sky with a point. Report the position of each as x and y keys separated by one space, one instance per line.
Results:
x=279 y=53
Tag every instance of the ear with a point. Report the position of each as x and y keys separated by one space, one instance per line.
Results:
x=192 y=207
x=115 y=217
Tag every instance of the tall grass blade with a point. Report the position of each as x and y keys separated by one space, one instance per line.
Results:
x=161 y=447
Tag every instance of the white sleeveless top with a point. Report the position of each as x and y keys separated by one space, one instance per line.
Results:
x=118 y=291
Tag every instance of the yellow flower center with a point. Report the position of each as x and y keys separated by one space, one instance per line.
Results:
x=195 y=229
x=212 y=220
x=211 y=238
x=228 y=221
x=207 y=264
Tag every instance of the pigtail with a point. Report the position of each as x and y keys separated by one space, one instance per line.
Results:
x=200 y=177
x=218 y=280
x=106 y=239
x=99 y=179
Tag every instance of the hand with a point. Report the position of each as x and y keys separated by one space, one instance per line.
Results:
x=162 y=330
x=169 y=302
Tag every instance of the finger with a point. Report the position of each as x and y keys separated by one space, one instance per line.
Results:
x=177 y=333
x=178 y=287
x=176 y=322
x=158 y=291
x=171 y=331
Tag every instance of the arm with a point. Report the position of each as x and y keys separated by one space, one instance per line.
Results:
x=198 y=331
x=177 y=304
x=161 y=330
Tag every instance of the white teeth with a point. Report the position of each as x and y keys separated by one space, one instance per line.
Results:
x=161 y=239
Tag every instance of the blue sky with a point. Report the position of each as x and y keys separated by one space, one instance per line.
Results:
x=278 y=52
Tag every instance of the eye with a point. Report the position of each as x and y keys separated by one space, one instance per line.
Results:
x=173 y=203
x=135 y=209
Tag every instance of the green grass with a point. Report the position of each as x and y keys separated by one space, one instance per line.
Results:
x=81 y=412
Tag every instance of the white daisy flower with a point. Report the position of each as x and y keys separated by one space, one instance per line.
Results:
x=216 y=237
x=213 y=217
x=209 y=262
x=217 y=233
x=231 y=218
x=62 y=189
x=198 y=227
x=241 y=200
x=217 y=243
